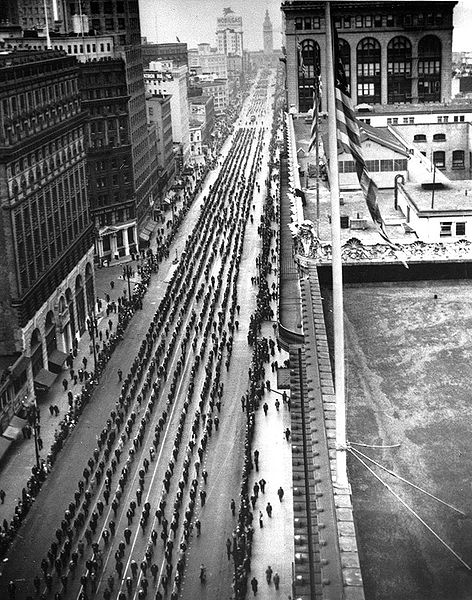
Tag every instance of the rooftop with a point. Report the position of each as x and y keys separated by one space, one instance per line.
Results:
x=451 y=197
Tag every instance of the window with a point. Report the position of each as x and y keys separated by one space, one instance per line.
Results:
x=378 y=21
x=307 y=23
x=439 y=137
x=316 y=22
x=411 y=120
x=419 y=137
x=439 y=159
x=372 y=166
x=347 y=22
x=368 y=21
x=298 y=23
x=445 y=229
x=359 y=22
x=400 y=164
x=462 y=118
x=460 y=228
x=458 y=159
x=386 y=165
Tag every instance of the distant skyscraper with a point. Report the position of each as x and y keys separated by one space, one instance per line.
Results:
x=267 y=33
x=229 y=33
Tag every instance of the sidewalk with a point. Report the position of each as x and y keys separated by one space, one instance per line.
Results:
x=15 y=467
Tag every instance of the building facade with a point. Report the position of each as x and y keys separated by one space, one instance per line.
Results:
x=218 y=89
x=229 y=33
x=163 y=78
x=392 y=52
x=267 y=34
x=46 y=235
x=159 y=114
x=196 y=139
x=209 y=60
x=176 y=52
x=202 y=108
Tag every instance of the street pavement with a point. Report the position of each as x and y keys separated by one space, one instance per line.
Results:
x=273 y=544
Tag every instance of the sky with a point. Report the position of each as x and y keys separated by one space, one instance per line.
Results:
x=194 y=21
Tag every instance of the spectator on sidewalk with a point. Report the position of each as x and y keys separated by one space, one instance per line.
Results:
x=276 y=579
x=268 y=573
x=2 y=496
x=280 y=493
x=262 y=484
x=254 y=584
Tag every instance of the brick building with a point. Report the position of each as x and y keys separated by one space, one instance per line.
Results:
x=46 y=237
x=393 y=52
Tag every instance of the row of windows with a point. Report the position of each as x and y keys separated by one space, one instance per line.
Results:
x=368 y=21
x=373 y=166
x=369 y=73
x=437 y=137
x=458 y=159
x=446 y=228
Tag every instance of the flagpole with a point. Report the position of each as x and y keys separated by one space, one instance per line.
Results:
x=317 y=160
x=338 y=313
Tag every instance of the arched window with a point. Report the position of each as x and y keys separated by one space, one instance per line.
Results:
x=458 y=159
x=429 y=69
x=439 y=159
x=50 y=330
x=419 y=137
x=439 y=137
x=399 y=70
x=345 y=58
x=308 y=67
x=80 y=303
x=368 y=71
x=36 y=352
x=89 y=290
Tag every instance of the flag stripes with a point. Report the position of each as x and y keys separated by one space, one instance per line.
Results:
x=349 y=137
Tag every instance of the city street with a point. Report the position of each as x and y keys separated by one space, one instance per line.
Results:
x=160 y=454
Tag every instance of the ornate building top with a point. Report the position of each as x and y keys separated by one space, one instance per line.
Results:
x=308 y=246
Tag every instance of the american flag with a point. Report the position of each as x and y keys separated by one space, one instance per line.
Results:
x=349 y=136
x=303 y=67
x=316 y=104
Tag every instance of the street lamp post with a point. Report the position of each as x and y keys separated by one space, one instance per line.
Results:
x=35 y=431
x=92 y=326
x=127 y=274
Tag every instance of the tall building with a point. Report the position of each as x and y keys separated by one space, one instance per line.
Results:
x=393 y=52
x=46 y=237
x=163 y=78
x=121 y=211
x=229 y=33
x=118 y=18
x=32 y=14
x=159 y=114
x=209 y=60
x=268 y=34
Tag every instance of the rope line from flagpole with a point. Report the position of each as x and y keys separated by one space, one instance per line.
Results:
x=374 y=445
x=412 y=511
x=417 y=487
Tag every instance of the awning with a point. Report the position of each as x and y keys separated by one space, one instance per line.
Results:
x=43 y=380
x=4 y=445
x=147 y=230
x=56 y=359
x=13 y=431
